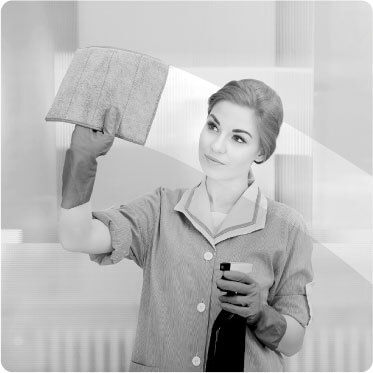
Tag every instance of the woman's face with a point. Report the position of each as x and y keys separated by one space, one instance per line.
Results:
x=229 y=142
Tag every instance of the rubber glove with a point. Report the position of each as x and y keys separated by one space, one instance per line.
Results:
x=268 y=325
x=80 y=166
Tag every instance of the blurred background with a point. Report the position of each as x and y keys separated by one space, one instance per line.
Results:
x=62 y=312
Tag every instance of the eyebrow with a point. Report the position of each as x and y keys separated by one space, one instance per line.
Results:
x=216 y=119
x=235 y=130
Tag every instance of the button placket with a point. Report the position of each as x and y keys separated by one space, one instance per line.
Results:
x=212 y=257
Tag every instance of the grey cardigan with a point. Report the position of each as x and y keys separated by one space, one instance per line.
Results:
x=168 y=233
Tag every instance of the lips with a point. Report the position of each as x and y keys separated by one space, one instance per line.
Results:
x=212 y=159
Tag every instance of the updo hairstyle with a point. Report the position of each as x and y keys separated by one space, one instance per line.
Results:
x=265 y=102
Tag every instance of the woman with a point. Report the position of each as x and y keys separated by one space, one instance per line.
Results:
x=180 y=237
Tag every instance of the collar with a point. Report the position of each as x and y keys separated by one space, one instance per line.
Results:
x=247 y=215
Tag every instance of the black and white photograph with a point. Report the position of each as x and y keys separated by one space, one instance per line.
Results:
x=186 y=186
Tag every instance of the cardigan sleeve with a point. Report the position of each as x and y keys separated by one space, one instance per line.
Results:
x=292 y=295
x=132 y=227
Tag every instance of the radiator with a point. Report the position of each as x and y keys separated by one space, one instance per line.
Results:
x=339 y=349
x=88 y=351
x=347 y=349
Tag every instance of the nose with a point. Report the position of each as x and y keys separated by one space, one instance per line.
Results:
x=218 y=145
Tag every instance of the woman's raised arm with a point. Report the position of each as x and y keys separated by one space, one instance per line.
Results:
x=77 y=230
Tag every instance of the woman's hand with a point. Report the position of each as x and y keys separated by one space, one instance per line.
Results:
x=95 y=143
x=80 y=166
x=247 y=301
x=268 y=325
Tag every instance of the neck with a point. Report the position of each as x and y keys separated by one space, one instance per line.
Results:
x=223 y=194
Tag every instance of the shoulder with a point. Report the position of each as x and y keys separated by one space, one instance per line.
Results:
x=168 y=195
x=154 y=203
x=161 y=196
x=292 y=226
x=285 y=215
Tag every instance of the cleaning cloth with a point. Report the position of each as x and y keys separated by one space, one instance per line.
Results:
x=100 y=77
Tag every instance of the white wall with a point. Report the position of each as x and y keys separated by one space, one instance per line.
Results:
x=343 y=116
x=184 y=33
x=31 y=34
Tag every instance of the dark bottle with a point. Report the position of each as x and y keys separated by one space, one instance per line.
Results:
x=227 y=342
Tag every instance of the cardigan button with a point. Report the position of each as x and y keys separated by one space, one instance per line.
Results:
x=196 y=361
x=208 y=255
x=201 y=307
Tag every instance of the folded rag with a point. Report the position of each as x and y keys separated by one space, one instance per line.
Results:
x=100 y=77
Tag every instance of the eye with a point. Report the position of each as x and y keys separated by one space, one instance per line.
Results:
x=239 y=139
x=212 y=126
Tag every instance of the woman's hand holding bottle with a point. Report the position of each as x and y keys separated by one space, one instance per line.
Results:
x=245 y=300
x=268 y=325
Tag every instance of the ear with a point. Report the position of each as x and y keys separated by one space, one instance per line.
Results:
x=260 y=157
